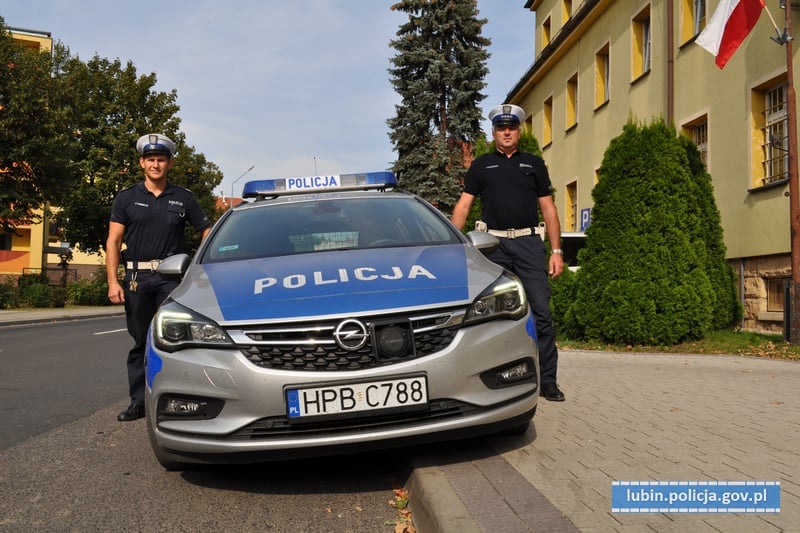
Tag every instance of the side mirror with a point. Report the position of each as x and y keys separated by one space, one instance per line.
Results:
x=174 y=265
x=483 y=241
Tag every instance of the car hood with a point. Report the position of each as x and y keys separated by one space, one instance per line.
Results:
x=336 y=283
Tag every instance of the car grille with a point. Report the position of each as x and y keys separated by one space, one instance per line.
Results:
x=279 y=426
x=313 y=347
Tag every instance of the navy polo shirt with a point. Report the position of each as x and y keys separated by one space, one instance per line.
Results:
x=509 y=187
x=154 y=224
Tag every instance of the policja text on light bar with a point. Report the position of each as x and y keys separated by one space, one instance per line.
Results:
x=312 y=184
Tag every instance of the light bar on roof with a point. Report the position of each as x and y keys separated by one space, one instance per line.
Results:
x=311 y=184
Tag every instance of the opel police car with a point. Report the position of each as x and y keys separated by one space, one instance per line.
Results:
x=330 y=314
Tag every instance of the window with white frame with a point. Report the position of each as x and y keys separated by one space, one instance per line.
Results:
x=641 y=43
x=601 y=76
x=572 y=101
x=547 y=121
x=571 y=218
x=692 y=19
x=700 y=138
x=545 y=33
x=698 y=16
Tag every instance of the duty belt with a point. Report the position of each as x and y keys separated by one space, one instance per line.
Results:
x=511 y=233
x=152 y=264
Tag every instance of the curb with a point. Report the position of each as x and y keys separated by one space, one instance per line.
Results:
x=473 y=489
x=32 y=317
x=434 y=504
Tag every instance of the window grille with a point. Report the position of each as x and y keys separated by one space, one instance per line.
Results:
x=776 y=161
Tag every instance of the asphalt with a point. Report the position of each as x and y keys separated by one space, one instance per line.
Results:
x=628 y=416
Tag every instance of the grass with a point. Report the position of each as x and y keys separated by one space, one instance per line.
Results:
x=718 y=342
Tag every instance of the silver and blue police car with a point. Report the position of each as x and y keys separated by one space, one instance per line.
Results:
x=332 y=313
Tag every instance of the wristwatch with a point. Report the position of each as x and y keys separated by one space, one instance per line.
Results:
x=557 y=251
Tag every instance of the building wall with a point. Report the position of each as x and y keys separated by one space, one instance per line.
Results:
x=755 y=219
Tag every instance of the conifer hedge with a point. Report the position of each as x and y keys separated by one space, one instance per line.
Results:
x=653 y=269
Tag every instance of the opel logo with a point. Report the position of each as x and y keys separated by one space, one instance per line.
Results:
x=351 y=334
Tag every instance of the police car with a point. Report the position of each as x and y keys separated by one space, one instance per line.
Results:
x=332 y=313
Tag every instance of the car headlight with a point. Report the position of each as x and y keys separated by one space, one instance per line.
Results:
x=175 y=327
x=505 y=298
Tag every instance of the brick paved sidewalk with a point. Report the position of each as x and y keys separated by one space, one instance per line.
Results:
x=664 y=418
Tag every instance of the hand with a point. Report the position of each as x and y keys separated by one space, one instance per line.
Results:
x=556 y=265
x=116 y=294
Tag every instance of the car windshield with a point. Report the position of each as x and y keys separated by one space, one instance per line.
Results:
x=311 y=225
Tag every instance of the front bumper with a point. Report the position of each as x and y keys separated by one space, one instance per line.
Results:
x=253 y=419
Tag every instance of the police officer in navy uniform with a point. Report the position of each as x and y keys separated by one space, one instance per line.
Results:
x=512 y=184
x=149 y=218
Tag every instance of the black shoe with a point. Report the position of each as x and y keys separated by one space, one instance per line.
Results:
x=550 y=392
x=134 y=412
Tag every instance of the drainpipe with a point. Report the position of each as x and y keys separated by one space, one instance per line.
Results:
x=741 y=290
x=670 y=61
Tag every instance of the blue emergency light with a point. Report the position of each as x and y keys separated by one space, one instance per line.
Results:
x=312 y=184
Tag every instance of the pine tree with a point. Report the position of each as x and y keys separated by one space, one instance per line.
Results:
x=438 y=72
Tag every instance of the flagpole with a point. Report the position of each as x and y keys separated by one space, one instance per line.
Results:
x=794 y=190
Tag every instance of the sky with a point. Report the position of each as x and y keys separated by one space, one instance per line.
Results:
x=287 y=87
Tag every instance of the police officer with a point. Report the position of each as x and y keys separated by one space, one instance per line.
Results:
x=149 y=218
x=511 y=185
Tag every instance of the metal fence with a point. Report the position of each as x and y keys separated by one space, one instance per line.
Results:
x=56 y=277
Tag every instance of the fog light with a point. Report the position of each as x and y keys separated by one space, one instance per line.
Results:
x=515 y=373
x=176 y=406
x=511 y=374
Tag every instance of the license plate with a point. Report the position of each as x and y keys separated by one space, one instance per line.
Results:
x=338 y=399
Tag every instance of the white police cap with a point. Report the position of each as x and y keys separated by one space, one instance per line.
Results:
x=507 y=114
x=155 y=143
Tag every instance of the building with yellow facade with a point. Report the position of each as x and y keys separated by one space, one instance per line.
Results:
x=599 y=63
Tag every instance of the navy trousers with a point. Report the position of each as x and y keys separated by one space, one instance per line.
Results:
x=140 y=306
x=525 y=257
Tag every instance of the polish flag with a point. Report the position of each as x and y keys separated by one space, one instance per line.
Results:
x=728 y=27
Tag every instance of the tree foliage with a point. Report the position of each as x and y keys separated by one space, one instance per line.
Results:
x=117 y=106
x=708 y=239
x=653 y=269
x=68 y=131
x=438 y=72
x=37 y=147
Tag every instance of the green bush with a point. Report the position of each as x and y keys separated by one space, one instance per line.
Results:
x=36 y=295
x=8 y=294
x=58 y=296
x=646 y=272
x=90 y=291
x=562 y=295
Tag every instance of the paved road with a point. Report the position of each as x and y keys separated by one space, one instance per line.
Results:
x=96 y=474
x=54 y=373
